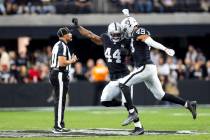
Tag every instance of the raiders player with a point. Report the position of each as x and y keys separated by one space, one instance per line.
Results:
x=146 y=71
x=115 y=50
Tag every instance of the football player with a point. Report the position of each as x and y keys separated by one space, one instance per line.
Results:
x=146 y=71
x=115 y=49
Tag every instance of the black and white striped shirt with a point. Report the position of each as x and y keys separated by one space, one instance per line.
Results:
x=60 y=49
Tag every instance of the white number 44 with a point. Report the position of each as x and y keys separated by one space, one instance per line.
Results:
x=116 y=55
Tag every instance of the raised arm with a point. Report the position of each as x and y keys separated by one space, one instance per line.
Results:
x=93 y=37
x=145 y=37
x=87 y=33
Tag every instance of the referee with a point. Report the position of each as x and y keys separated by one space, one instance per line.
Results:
x=61 y=61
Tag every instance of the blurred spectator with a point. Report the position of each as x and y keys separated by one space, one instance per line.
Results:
x=48 y=51
x=100 y=75
x=41 y=57
x=89 y=67
x=181 y=70
x=191 y=54
x=22 y=75
x=33 y=74
x=171 y=63
x=200 y=56
x=157 y=6
x=22 y=59
x=172 y=68
x=188 y=68
x=22 y=7
x=48 y=7
x=171 y=86
x=155 y=55
x=197 y=71
x=208 y=70
x=205 y=5
x=83 y=6
x=4 y=74
x=143 y=6
x=128 y=4
x=44 y=72
x=100 y=72
x=4 y=58
x=2 y=8
x=11 y=7
x=78 y=72
x=169 y=5
x=13 y=67
x=163 y=68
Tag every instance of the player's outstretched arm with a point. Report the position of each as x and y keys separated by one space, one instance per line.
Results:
x=87 y=33
x=150 y=42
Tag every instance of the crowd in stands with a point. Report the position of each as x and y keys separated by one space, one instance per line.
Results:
x=171 y=69
x=23 y=68
x=148 y=6
x=11 y=7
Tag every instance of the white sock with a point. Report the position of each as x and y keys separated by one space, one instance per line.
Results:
x=131 y=110
x=185 y=105
x=138 y=124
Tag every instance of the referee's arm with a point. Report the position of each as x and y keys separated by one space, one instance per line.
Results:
x=64 y=62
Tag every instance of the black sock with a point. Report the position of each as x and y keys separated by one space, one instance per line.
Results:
x=126 y=106
x=114 y=102
x=173 y=99
x=126 y=92
x=136 y=120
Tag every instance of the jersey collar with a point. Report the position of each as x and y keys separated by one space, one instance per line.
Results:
x=63 y=41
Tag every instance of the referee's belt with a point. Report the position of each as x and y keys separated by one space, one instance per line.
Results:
x=58 y=69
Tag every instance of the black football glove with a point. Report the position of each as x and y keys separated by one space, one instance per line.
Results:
x=75 y=22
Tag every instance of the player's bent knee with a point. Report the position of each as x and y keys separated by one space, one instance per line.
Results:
x=159 y=96
x=122 y=86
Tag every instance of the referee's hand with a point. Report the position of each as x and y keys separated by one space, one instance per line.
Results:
x=74 y=58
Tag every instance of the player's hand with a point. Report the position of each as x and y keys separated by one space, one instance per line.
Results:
x=170 y=52
x=74 y=58
x=75 y=22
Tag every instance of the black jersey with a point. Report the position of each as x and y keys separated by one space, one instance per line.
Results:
x=114 y=55
x=141 y=51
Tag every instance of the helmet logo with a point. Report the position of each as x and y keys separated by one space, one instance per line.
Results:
x=128 y=22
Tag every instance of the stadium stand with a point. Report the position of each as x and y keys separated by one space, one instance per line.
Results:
x=11 y=7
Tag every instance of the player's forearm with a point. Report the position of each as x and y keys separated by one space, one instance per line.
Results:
x=150 y=42
x=93 y=37
x=85 y=32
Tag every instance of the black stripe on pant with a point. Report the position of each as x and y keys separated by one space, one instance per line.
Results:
x=60 y=82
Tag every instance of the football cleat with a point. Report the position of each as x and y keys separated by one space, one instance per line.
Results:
x=60 y=130
x=131 y=117
x=137 y=131
x=191 y=106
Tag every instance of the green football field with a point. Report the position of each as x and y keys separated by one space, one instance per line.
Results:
x=158 y=119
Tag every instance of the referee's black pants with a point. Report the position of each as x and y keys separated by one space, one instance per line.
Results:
x=60 y=82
